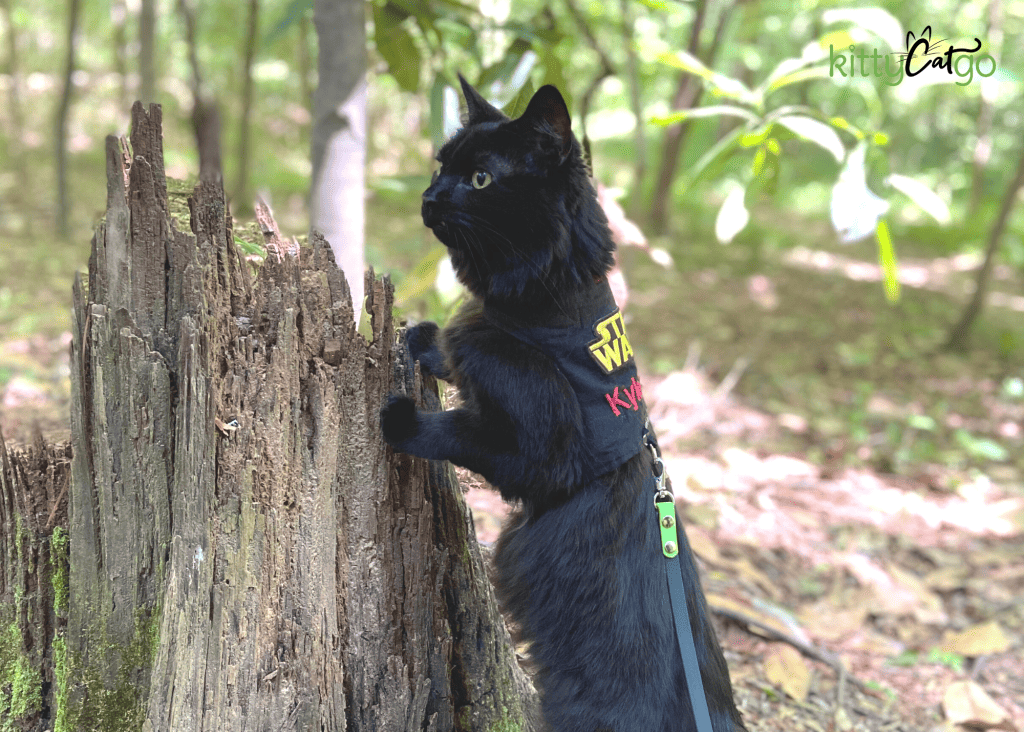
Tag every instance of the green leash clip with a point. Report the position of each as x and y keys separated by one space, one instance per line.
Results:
x=667 y=524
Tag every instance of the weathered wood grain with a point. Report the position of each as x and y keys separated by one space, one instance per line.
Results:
x=246 y=553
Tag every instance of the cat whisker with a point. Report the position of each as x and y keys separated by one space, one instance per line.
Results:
x=470 y=249
x=542 y=274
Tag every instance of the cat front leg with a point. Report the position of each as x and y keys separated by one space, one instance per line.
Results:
x=423 y=347
x=457 y=435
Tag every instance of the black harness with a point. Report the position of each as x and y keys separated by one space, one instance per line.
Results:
x=597 y=361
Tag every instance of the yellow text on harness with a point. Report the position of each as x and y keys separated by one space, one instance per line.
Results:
x=611 y=350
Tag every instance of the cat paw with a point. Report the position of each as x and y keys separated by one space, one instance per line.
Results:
x=421 y=339
x=398 y=420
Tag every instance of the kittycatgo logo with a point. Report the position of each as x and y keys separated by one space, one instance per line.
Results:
x=611 y=349
x=922 y=53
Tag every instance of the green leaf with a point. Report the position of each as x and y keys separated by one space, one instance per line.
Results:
x=518 y=103
x=841 y=123
x=980 y=447
x=516 y=80
x=759 y=158
x=456 y=9
x=876 y=20
x=437 y=130
x=421 y=279
x=838 y=39
x=714 y=110
x=295 y=10
x=660 y=5
x=396 y=45
x=921 y=422
x=816 y=132
x=503 y=69
x=794 y=70
x=906 y=658
x=752 y=139
x=887 y=258
x=250 y=248
x=721 y=85
x=554 y=73
x=714 y=159
x=951 y=660
x=815 y=72
x=686 y=62
x=922 y=195
x=405 y=8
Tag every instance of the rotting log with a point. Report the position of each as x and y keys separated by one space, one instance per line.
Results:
x=33 y=580
x=245 y=552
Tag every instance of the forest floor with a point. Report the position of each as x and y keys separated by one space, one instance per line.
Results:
x=845 y=481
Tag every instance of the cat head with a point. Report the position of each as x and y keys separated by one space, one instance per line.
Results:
x=512 y=201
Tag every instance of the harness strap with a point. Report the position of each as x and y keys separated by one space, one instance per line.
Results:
x=665 y=504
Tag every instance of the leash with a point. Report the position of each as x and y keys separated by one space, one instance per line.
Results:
x=664 y=502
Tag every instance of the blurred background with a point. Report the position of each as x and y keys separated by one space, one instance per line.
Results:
x=821 y=253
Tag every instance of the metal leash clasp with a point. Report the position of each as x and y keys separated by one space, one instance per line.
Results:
x=661 y=492
x=664 y=501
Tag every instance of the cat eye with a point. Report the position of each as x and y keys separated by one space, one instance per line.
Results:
x=481 y=179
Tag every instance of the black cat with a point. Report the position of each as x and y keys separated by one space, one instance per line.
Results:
x=552 y=416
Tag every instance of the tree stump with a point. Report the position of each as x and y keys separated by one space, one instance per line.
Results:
x=245 y=552
x=33 y=580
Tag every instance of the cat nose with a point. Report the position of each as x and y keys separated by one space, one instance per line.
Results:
x=429 y=210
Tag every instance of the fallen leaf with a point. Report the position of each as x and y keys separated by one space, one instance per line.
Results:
x=701 y=543
x=785 y=667
x=746 y=569
x=946 y=579
x=744 y=610
x=968 y=704
x=978 y=640
x=929 y=608
x=824 y=621
x=702 y=514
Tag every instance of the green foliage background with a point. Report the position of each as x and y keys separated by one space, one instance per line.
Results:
x=770 y=135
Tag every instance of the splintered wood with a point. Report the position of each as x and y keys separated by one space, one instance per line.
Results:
x=246 y=553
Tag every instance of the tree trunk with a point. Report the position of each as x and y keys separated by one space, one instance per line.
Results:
x=147 y=51
x=986 y=110
x=960 y=334
x=119 y=40
x=205 y=113
x=338 y=140
x=21 y=194
x=246 y=554
x=637 y=107
x=241 y=197
x=304 y=62
x=33 y=581
x=61 y=125
x=687 y=94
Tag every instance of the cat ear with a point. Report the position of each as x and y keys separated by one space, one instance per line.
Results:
x=478 y=107
x=548 y=107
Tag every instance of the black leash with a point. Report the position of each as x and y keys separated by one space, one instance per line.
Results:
x=664 y=502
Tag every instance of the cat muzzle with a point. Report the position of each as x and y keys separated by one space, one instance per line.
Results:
x=431 y=213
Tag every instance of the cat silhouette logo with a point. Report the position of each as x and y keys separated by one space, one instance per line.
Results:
x=611 y=350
